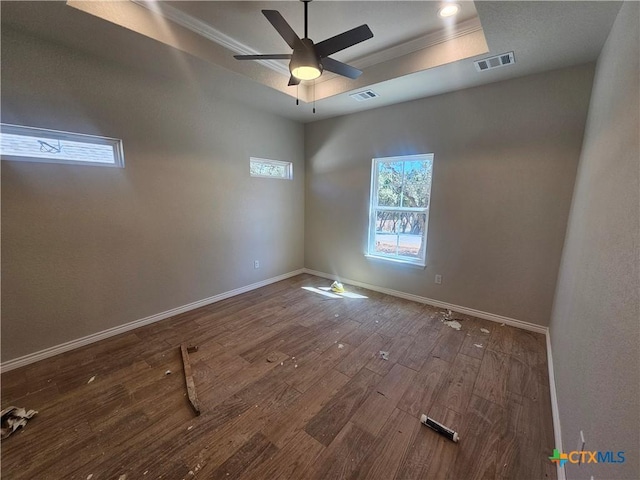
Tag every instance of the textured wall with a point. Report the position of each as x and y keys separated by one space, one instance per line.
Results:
x=595 y=329
x=87 y=248
x=505 y=162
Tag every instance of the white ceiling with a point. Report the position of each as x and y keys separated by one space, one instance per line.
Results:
x=412 y=54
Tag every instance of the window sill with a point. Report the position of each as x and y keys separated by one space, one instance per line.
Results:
x=395 y=261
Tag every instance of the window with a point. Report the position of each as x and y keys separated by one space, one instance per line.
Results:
x=32 y=144
x=261 y=167
x=399 y=208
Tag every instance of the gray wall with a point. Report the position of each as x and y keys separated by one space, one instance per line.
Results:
x=86 y=248
x=504 y=168
x=594 y=329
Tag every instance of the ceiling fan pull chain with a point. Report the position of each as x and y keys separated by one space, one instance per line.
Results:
x=314 y=95
x=297 y=96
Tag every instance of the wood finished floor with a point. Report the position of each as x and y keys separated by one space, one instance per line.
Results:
x=329 y=407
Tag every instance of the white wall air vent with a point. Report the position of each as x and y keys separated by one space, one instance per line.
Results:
x=364 y=95
x=495 y=62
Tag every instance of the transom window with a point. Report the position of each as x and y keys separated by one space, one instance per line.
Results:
x=30 y=144
x=262 y=167
x=399 y=208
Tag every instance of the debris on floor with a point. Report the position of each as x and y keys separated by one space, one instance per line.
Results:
x=384 y=355
x=168 y=372
x=479 y=345
x=191 y=386
x=336 y=315
x=446 y=315
x=484 y=330
x=441 y=429
x=337 y=287
x=14 y=418
x=453 y=324
x=90 y=476
x=272 y=357
x=340 y=345
x=91 y=379
x=502 y=324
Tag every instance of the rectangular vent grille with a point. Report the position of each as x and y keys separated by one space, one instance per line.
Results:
x=365 y=95
x=495 y=62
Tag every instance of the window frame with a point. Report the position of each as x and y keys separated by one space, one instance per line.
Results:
x=265 y=161
x=27 y=131
x=374 y=208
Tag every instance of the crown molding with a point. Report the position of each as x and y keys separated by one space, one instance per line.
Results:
x=207 y=31
x=461 y=29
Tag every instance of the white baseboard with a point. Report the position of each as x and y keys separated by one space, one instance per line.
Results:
x=436 y=303
x=555 y=412
x=95 y=337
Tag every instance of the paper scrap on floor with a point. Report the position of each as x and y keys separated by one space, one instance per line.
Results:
x=453 y=324
x=14 y=418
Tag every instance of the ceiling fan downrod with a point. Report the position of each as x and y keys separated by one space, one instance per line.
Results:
x=306 y=17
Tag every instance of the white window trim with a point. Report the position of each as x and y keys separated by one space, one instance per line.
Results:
x=288 y=168
x=371 y=235
x=114 y=143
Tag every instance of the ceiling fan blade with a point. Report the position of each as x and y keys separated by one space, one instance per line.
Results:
x=283 y=28
x=268 y=56
x=293 y=81
x=344 y=40
x=340 y=68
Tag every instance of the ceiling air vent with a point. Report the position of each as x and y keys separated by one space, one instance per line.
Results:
x=365 y=95
x=495 y=62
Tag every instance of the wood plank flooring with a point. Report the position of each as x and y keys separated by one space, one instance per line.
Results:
x=324 y=406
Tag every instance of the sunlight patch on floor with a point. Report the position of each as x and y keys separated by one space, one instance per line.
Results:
x=326 y=291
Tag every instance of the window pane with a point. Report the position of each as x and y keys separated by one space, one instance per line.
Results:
x=387 y=225
x=18 y=142
x=44 y=147
x=268 y=170
x=411 y=235
x=259 y=167
x=400 y=233
x=417 y=184
x=389 y=184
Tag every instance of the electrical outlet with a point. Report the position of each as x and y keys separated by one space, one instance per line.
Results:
x=438 y=279
x=256 y=264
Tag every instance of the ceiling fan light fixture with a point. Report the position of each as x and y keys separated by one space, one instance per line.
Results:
x=304 y=63
x=449 y=10
x=306 y=72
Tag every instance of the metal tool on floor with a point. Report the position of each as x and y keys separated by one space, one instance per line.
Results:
x=441 y=429
x=191 y=386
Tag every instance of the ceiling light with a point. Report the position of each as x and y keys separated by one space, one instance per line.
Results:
x=306 y=72
x=449 y=10
x=304 y=63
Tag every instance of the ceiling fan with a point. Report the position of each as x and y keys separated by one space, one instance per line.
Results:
x=308 y=60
